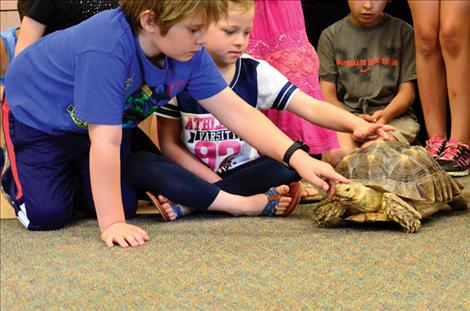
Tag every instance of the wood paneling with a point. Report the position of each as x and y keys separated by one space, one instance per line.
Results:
x=8 y=18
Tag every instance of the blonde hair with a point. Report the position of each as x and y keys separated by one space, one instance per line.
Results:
x=167 y=13
x=245 y=5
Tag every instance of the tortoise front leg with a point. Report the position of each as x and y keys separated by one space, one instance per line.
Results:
x=401 y=212
x=329 y=213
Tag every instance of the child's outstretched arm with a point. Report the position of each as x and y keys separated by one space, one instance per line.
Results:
x=262 y=134
x=169 y=137
x=400 y=104
x=335 y=118
x=105 y=179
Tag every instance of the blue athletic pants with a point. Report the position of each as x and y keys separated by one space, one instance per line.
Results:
x=49 y=175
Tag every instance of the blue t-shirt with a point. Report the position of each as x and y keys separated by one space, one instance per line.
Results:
x=96 y=72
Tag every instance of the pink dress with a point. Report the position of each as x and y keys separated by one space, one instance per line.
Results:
x=279 y=37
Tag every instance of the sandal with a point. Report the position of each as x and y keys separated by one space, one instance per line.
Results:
x=295 y=192
x=179 y=210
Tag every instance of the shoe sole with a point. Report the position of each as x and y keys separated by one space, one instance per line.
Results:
x=158 y=205
x=459 y=174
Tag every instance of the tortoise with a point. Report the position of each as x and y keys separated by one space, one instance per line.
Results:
x=390 y=181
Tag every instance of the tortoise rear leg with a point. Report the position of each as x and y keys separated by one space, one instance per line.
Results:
x=401 y=211
x=329 y=213
x=459 y=202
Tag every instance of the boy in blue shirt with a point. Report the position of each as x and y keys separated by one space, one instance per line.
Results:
x=73 y=97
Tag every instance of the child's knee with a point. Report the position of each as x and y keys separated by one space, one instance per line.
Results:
x=428 y=44
x=333 y=157
x=45 y=216
x=49 y=220
x=451 y=41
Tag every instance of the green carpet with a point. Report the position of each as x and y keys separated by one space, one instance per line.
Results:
x=224 y=263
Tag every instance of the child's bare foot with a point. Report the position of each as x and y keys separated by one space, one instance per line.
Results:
x=311 y=192
x=170 y=211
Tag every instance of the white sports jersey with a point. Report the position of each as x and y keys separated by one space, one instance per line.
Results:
x=256 y=82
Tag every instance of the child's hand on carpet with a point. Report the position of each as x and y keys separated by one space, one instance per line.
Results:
x=124 y=235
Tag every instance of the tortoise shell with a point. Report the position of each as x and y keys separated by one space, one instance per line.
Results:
x=409 y=172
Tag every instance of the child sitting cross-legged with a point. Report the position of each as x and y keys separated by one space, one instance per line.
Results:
x=367 y=67
x=198 y=141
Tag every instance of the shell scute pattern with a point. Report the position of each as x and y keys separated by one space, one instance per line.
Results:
x=395 y=167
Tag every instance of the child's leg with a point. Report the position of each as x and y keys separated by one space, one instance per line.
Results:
x=259 y=204
x=277 y=201
x=257 y=176
x=406 y=128
x=455 y=44
x=141 y=142
x=83 y=195
x=155 y=173
x=346 y=146
x=430 y=68
x=41 y=183
x=83 y=198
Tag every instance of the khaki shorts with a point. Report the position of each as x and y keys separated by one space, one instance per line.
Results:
x=406 y=128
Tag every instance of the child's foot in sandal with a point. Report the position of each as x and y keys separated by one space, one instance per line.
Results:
x=170 y=211
x=282 y=200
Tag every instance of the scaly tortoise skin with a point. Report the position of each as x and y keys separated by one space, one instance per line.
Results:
x=390 y=181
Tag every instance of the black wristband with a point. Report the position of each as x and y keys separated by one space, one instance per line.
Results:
x=298 y=144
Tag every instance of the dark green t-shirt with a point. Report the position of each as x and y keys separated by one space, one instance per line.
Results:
x=367 y=64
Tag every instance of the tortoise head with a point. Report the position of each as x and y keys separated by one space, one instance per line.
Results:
x=353 y=192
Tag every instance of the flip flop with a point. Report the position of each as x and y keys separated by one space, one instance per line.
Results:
x=273 y=201
x=175 y=207
x=295 y=192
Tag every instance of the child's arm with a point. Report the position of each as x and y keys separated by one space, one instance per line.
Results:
x=105 y=179
x=258 y=131
x=405 y=97
x=329 y=92
x=30 y=31
x=332 y=117
x=169 y=137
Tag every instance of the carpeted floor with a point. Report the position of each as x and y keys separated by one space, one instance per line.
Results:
x=218 y=262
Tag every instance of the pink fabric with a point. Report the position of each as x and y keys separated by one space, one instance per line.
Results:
x=280 y=38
